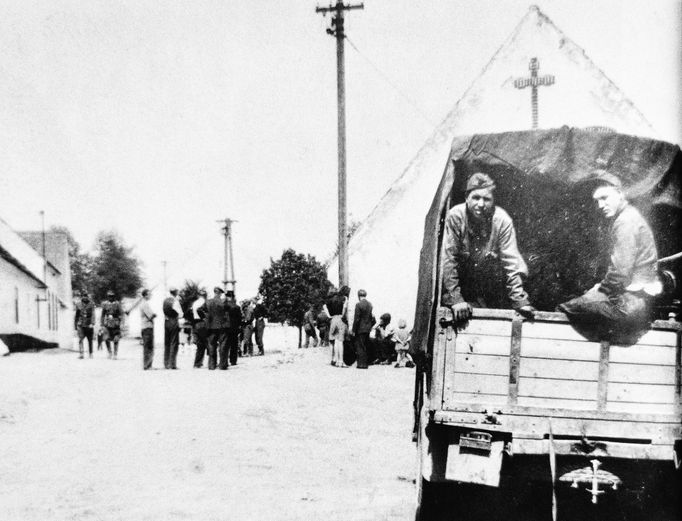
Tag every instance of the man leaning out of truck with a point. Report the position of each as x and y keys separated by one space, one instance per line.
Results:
x=482 y=265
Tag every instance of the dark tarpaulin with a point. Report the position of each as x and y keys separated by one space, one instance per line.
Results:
x=540 y=177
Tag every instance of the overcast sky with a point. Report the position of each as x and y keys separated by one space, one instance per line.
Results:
x=158 y=118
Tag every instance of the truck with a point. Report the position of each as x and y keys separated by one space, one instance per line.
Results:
x=516 y=418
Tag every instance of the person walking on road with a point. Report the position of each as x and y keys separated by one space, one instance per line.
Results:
x=147 y=330
x=363 y=321
x=309 y=327
x=84 y=320
x=112 y=316
x=172 y=311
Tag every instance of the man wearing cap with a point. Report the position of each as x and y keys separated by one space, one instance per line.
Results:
x=234 y=323
x=172 y=311
x=216 y=324
x=482 y=265
x=110 y=321
x=199 y=328
x=620 y=305
x=84 y=320
x=147 y=330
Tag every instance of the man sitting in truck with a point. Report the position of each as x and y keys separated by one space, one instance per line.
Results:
x=482 y=265
x=619 y=307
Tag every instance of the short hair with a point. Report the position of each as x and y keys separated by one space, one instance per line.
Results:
x=145 y=292
x=345 y=291
x=478 y=181
x=362 y=293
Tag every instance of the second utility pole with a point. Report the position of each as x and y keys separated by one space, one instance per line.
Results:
x=336 y=30
x=229 y=261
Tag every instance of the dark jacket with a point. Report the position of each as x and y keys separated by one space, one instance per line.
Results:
x=216 y=317
x=85 y=314
x=234 y=315
x=363 y=320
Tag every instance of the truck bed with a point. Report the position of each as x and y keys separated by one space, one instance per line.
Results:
x=538 y=379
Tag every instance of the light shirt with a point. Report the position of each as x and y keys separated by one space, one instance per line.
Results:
x=146 y=315
x=195 y=307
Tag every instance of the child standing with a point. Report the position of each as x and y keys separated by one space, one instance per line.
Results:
x=401 y=338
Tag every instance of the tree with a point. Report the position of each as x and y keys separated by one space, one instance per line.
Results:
x=81 y=263
x=114 y=267
x=290 y=285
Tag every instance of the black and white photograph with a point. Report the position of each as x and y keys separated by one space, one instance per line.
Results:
x=340 y=260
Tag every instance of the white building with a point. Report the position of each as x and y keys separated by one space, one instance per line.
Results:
x=36 y=307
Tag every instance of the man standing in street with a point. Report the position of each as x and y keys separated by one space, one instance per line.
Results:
x=147 y=330
x=482 y=264
x=259 y=314
x=172 y=311
x=363 y=321
x=234 y=321
x=619 y=307
x=84 y=320
x=112 y=316
x=309 y=326
x=247 y=328
x=199 y=328
x=216 y=322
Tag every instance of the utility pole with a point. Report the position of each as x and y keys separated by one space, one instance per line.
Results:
x=228 y=267
x=337 y=31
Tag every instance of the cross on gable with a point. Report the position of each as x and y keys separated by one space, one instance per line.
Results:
x=534 y=81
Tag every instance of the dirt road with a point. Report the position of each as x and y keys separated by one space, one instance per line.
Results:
x=279 y=437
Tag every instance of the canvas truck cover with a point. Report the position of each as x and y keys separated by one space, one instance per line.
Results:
x=540 y=178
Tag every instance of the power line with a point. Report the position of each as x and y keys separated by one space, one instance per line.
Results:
x=385 y=77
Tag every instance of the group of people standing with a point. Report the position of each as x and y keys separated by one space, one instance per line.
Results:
x=222 y=330
x=109 y=331
x=358 y=338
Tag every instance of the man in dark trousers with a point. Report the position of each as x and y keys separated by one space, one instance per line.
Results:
x=200 y=329
x=363 y=321
x=112 y=316
x=259 y=314
x=172 y=311
x=234 y=319
x=147 y=330
x=85 y=323
x=216 y=323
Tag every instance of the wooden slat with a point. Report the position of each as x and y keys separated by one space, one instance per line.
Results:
x=438 y=364
x=644 y=408
x=659 y=338
x=451 y=341
x=481 y=344
x=478 y=398
x=554 y=331
x=488 y=327
x=642 y=393
x=558 y=349
x=642 y=374
x=602 y=384
x=564 y=369
x=529 y=401
x=483 y=364
x=466 y=383
x=515 y=360
x=563 y=389
x=641 y=354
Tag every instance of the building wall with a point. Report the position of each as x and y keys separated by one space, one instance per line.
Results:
x=21 y=313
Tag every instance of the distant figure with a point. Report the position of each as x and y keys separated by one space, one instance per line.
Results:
x=247 y=327
x=200 y=328
x=172 y=311
x=84 y=320
x=383 y=340
x=309 y=327
x=619 y=307
x=234 y=321
x=401 y=338
x=337 y=304
x=323 y=320
x=215 y=321
x=260 y=313
x=147 y=330
x=482 y=264
x=112 y=315
x=362 y=325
